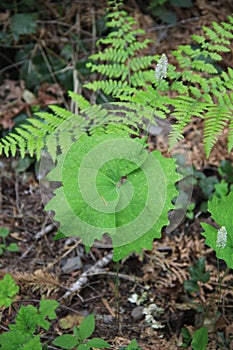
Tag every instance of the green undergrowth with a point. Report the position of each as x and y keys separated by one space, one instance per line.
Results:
x=26 y=332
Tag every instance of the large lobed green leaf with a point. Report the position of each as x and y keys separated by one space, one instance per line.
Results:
x=111 y=184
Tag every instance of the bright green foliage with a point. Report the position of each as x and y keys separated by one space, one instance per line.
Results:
x=110 y=183
x=12 y=247
x=27 y=322
x=19 y=341
x=8 y=290
x=202 y=90
x=200 y=339
x=120 y=62
x=79 y=338
x=57 y=132
x=199 y=89
x=221 y=211
x=51 y=130
x=206 y=85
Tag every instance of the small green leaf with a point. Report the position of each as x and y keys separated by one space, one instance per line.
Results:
x=191 y=206
x=98 y=343
x=190 y=215
x=47 y=309
x=226 y=170
x=26 y=320
x=13 y=247
x=76 y=331
x=87 y=327
x=186 y=337
x=191 y=286
x=66 y=341
x=221 y=188
x=133 y=345
x=200 y=339
x=84 y=347
x=59 y=235
x=8 y=289
x=4 y=232
x=33 y=343
x=198 y=273
x=21 y=24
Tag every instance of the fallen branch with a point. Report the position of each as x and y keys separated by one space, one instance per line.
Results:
x=84 y=276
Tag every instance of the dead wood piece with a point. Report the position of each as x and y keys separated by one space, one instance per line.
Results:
x=84 y=276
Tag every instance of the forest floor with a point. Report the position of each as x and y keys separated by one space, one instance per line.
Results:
x=47 y=268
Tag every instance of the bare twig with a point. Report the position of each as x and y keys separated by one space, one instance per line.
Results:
x=84 y=276
x=93 y=21
x=77 y=87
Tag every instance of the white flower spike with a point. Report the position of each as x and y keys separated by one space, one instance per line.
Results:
x=221 y=237
x=161 y=68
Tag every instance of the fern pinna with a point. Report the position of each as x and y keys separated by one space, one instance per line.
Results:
x=199 y=88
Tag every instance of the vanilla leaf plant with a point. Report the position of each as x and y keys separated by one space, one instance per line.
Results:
x=134 y=186
x=221 y=239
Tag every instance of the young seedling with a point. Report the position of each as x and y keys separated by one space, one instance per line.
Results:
x=12 y=247
x=24 y=333
x=132 y=346
x=8 y=290
x=79 y=337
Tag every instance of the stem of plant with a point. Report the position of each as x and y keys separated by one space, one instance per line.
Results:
x=116 y=282
x=220 y=280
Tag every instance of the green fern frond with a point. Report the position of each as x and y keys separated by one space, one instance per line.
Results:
x=81 y=102
x=6 y=144
x=201 y=66
x=197 y=86
x=48 y=130
x=114 y=70
x=224 y=30
x=230 y=136
x=141 y=78
x=228 y=78
x=185 y=108
x=16 y=141
x=218 y=37
x=216 y=119
x=139 y=63
x=175 y=135
x=108 y=87
x=60 y=112
x=120 y=62
x=201 y=78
